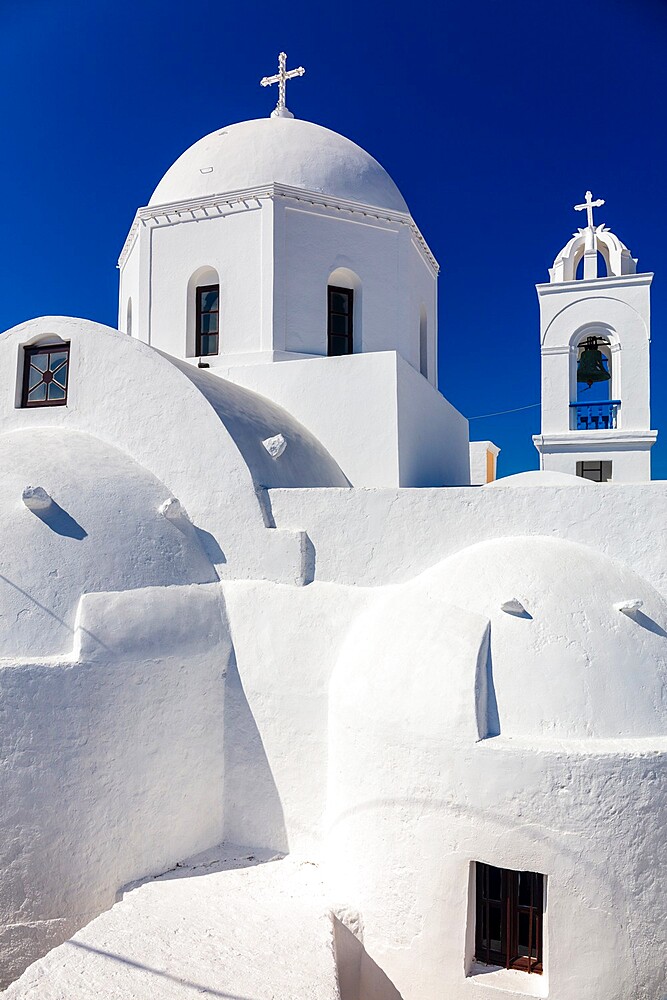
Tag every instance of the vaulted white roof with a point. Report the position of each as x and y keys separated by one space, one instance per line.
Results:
x=279 y=150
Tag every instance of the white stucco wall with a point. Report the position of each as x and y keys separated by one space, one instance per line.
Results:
x=112 y=760
x=406 y=531
x=381 y=421
x=421 y=786
x=232 y=244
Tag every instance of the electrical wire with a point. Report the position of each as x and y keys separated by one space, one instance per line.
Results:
x=499 y=413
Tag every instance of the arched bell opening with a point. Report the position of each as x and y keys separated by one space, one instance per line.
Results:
x=593 y=401
x=602 y=258
x=594 y=369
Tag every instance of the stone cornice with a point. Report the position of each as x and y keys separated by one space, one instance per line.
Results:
x=596 y=440
x=594 y=284
x=247 y=198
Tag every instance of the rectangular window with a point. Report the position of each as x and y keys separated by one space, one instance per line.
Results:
x=208 y=318
x=597 y=472
x=510 y=911
x=45 y=375
x=339 y=322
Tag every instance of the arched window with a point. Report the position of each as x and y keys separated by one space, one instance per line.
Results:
x=203 y=314
x=423 y=342
x=340 y=323
x=208 y=318
x=343 y=312
x=128 y=321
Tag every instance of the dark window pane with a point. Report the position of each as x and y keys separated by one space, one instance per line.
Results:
x=40 y=361
x=338 y=346
x=495 y=883
x=339 y=302
x=38 y=394
x=525 y=881
x=61 y=376
x=55 y=392
x=208 y=323
x=56 y=360
x=495 y=924
x=339 y=325
x=522 y=936
x=209 y=345
x=209 y=301
x=34 y=377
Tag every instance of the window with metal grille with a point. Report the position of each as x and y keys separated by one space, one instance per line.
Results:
x=339 y=324
x=510 y=911
x=597 y=472
x=208 y=318
x=45 y=375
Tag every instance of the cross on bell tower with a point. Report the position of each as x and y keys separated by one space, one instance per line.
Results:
x=591 y=246
x=588 y=207
x=281 y=77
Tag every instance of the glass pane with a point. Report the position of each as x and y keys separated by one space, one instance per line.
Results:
x=34 y=377
x=525 y=880
x=495 y=883
x=57 y=359
x=339 y=302
x=495 y=929
x=209 y=323
x=61 y=376
x=39 y=361
x=38 y=394
x=209 y=345
x=338 y=325
x=522 y=940
x=209 y=301
x=338 y=346
x=55 y=392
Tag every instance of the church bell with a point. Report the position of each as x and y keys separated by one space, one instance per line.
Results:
x=591 y=364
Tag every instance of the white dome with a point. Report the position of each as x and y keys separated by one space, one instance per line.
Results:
x=281 y=150
x=102 y=533
x=540 y=477
x=571 y=666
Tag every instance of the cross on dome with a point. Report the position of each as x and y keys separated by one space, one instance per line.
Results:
x=588 y=207
x=281 y=77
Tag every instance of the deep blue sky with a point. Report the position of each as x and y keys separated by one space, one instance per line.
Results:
x=493 y=118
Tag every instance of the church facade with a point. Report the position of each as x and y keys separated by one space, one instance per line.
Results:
x=255 y=607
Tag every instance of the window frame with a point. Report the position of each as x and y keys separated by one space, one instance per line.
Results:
x=30 y=351
x=605 y=466
x=349 y=336
x=510 y=909
x=200 y=291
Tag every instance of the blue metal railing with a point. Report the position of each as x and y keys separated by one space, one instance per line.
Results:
x=601 y=416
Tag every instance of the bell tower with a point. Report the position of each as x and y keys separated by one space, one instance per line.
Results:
x=595 y=334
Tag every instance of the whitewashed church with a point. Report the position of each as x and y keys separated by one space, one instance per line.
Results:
x=298 y=701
